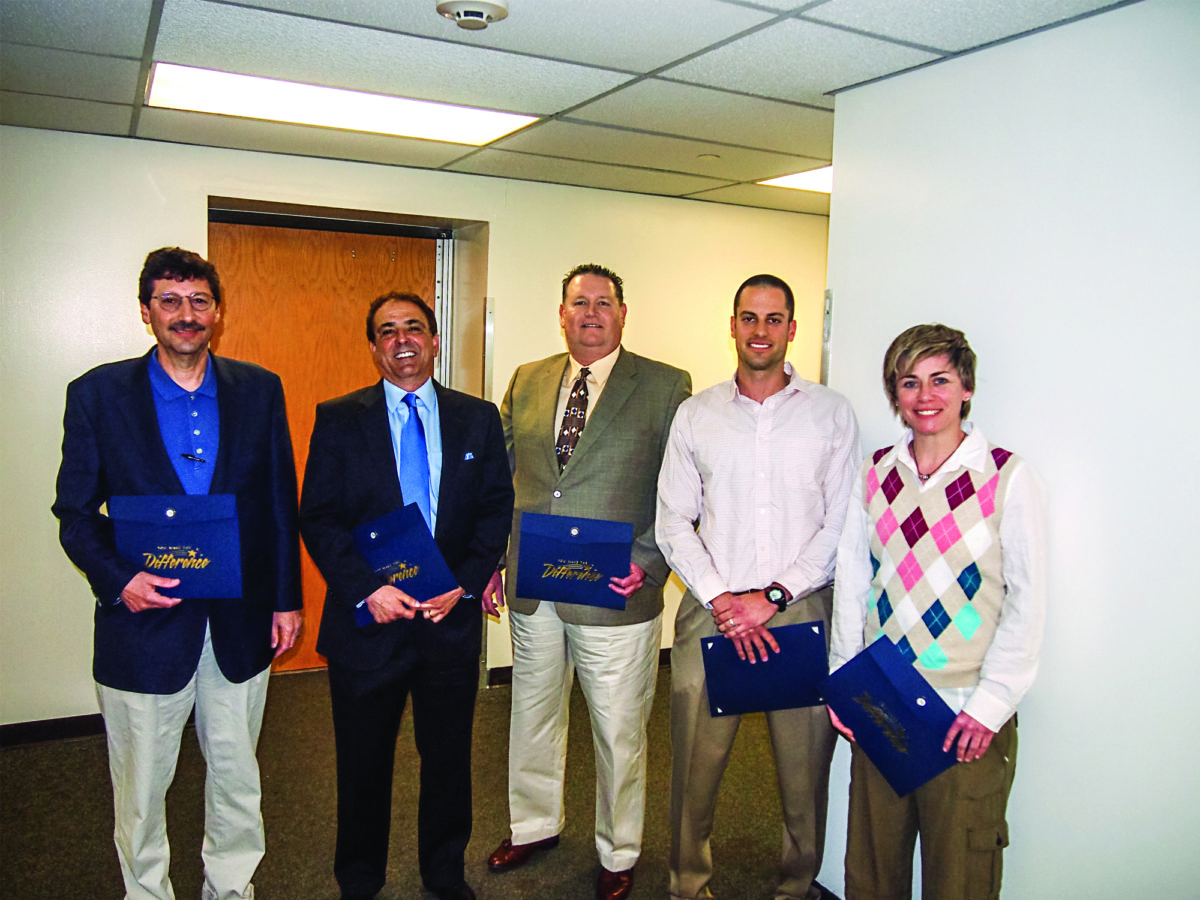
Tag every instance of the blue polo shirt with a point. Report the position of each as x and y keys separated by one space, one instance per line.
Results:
x=190 y=425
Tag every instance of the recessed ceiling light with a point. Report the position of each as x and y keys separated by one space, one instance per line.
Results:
x=820 y=180
x=227 y=94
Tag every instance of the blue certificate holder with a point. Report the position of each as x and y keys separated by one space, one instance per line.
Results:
x=192 y=537
x=898 y=720
x=786 y=680
x=399 y=547
x=567 y=559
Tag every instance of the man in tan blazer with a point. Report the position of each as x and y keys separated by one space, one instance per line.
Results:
x=586 y=431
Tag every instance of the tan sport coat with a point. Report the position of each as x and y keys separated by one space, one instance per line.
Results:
x=612 y=474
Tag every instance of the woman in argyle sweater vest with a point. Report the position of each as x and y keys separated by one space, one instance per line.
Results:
x=943 y=553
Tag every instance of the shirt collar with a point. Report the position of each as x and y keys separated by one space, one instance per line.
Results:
x=971 y=453
x=600 y=369
x=394 y=395
x=794 y=384
x=166 y=387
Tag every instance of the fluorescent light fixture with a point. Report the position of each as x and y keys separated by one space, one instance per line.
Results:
x=813 y=180
x=227 y=94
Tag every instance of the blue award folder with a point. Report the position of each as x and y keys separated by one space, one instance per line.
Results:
x=567 y=559
x=399 y=547
x=788 y=679
x=897 y=718
x=192 y=537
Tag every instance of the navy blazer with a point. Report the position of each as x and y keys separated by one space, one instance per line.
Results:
x=112 y=445
x=351 y=479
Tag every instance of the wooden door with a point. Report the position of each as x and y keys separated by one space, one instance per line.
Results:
x=295 y=301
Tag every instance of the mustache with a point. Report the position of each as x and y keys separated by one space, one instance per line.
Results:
x=186 y=326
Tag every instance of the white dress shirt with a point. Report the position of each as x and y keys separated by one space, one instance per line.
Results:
x=598 y=373
x=1011 y=662
x=767 y=483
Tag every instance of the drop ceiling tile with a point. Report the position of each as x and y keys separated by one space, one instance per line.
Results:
x=574 y=30
x=63 y=73
x=768 y=198
x=63 y=114
x=950 y=24
x=279 y=137
x=710 y=115
x=797 y=61
x=253 y=42
x=527 y=167
x=571 y=140
x=118 y=30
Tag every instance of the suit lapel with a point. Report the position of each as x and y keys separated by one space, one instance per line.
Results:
x=230 y=405
x=545 y=414
x=143 y=432
x=454 y=439
x=377 y=438
x=621 y=382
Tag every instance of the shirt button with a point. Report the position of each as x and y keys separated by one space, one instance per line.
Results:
x=199 y=450
x=557 y=494
x=194 y=414
x=196 y=432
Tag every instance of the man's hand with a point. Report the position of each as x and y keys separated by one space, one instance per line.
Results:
x=754 y=640
x=493 y=595
x=390 y=603
x=837 y=723
x=439 y=607
x=632 y=582
x=140 y=593
x=285 y=628
x=739 y=615
x=973 y=737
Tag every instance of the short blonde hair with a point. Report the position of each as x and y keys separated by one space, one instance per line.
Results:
x=921 y=342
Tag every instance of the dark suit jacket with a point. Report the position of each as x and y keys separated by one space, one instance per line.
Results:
x=112 y=445
x=612 y=474
x=351 y=479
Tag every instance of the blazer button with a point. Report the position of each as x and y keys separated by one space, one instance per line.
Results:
x=557 y=494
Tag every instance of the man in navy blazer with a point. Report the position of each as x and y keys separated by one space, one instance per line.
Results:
x=404 y=440
x=181 y=420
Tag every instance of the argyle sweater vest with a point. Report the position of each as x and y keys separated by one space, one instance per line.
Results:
x=938 y=587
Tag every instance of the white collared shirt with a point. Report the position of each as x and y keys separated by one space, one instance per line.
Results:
x=767 y=483
x=1011 y=662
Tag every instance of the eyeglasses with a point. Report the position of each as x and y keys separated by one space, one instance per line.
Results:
x=172 y=302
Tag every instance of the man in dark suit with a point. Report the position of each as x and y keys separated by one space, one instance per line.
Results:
x=404 y=440
x=181 y=420
x=611 y=411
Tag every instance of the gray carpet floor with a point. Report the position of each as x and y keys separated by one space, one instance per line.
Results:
x=56 y=816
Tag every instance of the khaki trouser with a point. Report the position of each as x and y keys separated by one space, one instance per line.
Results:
x=802 y=741
x=959 y=816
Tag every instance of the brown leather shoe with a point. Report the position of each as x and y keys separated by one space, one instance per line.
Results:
x=509 y=856
x=614 y=885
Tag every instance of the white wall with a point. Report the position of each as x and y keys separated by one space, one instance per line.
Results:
x=79 y=213
x=1044 y=196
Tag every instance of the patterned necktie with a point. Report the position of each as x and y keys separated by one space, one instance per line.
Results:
x=573 y=419
x=414 y=461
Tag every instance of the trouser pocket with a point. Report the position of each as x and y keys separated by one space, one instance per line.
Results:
x=985 y=859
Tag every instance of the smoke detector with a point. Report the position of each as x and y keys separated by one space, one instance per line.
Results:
x=474 y=15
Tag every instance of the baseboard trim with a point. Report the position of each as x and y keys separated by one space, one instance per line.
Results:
x=19 y=733
x=502 y=675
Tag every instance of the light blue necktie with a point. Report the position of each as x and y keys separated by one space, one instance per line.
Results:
x=414 y=461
